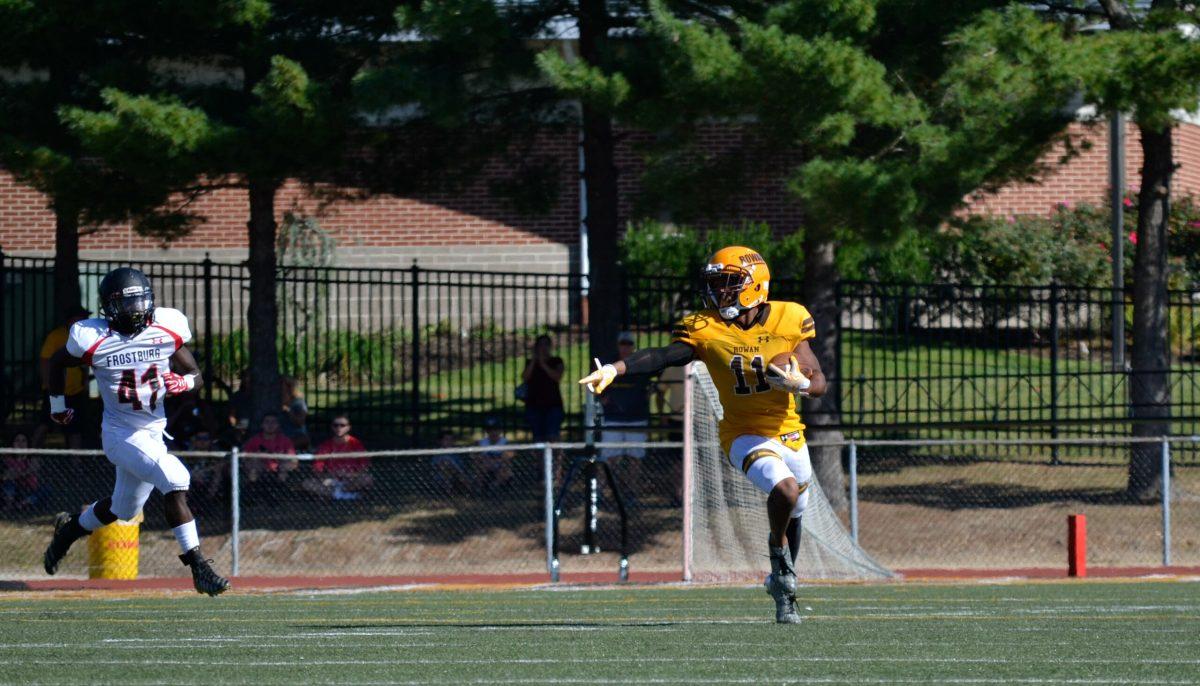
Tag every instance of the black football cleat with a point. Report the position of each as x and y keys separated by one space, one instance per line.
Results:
x=66 y=531
x=781 y=585
x=204 y=579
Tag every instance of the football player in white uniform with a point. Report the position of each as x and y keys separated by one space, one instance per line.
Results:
x=133 y=351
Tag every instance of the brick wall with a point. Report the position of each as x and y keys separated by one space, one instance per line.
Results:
x=1085 y=178
x=476 y=230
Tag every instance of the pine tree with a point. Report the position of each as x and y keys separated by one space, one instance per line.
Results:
x=897 y=111
x=54 y=56
x=1147 y=64
x=262 y=93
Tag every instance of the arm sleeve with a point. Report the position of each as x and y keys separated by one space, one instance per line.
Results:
x=652 y=360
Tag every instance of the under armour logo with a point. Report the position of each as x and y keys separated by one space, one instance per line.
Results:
x=764 y=339
x=159 y=340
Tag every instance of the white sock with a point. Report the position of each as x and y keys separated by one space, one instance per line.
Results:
x=187 y=536
x=89 y=520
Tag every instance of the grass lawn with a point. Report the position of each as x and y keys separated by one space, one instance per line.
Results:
x=1081 y=633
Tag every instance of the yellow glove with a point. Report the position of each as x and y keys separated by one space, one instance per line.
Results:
x=789 y=379
x=599 y=380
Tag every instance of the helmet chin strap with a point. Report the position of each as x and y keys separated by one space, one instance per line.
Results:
x=730 y=312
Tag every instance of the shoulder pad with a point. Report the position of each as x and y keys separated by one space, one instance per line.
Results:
x=174 y=321
x=800 y=319
x=692 y=324
x=84 y=334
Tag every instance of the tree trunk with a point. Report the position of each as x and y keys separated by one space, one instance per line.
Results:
x=263 y=320
x=67 y=295
x=1149 y=385
x=820 y=278
x=600 y=177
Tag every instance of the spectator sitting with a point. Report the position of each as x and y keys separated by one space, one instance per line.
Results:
x=271 y=441
x=493 y=467
x=20 y=484
x=344 y=478
x=295 y=413
x=187 y=415
x=543 y=399
x=208 y=475
x=449 y=468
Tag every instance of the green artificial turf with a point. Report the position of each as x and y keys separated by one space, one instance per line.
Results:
x=1083 y=633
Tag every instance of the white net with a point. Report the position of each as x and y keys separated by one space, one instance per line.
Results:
x=728 y=515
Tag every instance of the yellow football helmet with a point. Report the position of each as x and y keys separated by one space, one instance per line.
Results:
x=736 y=279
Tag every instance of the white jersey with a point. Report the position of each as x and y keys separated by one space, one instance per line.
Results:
x=129 y=369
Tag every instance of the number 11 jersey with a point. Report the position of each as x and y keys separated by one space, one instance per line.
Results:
x=129 y=369
x=737 y=360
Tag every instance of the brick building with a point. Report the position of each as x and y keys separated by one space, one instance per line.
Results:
x=475 y=230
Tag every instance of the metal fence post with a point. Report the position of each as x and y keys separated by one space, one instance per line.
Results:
x=548 y=502
x=3 y=333
x=854 y=492
x=235 y=514
x=1054 y=371
x=1166 y=502
x=838 y=351
x=1116 y=178
x=208 y=329
x=688 y=466
x=415 y=398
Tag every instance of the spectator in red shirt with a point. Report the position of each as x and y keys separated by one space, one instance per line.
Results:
x=344 y=478
x=269 y=440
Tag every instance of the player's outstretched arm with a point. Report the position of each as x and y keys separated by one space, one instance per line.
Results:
x=56 y=384
x=185 y=373
x=645 y=361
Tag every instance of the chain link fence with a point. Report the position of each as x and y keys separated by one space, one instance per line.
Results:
x=1002 y=504
x=490 y=511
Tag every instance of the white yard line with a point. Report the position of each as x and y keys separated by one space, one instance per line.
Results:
x=1101 y=681
x=646 y=660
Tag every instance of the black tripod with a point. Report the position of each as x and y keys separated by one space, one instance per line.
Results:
x=591 y=469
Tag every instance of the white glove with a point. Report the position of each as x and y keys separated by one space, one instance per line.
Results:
x=599 y=380
x=789 y=379
x=59 y=412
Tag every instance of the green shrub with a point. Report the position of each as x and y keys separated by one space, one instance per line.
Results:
x=908 y=259
x=1068 y=247
x=661 y=249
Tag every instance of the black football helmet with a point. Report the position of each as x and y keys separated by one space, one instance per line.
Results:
x=127 y=300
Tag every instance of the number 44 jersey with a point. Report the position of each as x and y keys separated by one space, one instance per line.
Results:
x=129 y=369
x=737 y=360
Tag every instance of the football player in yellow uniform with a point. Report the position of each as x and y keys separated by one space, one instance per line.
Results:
x=737 y=337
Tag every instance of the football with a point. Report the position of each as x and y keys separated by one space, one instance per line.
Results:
x=782 y=359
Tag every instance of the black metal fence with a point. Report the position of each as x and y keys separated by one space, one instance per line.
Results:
x=405 y=352
x=409 y=352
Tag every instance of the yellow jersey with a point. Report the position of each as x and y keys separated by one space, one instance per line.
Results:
x=737 y=360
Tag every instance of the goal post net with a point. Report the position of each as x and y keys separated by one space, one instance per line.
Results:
x=725 y=516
